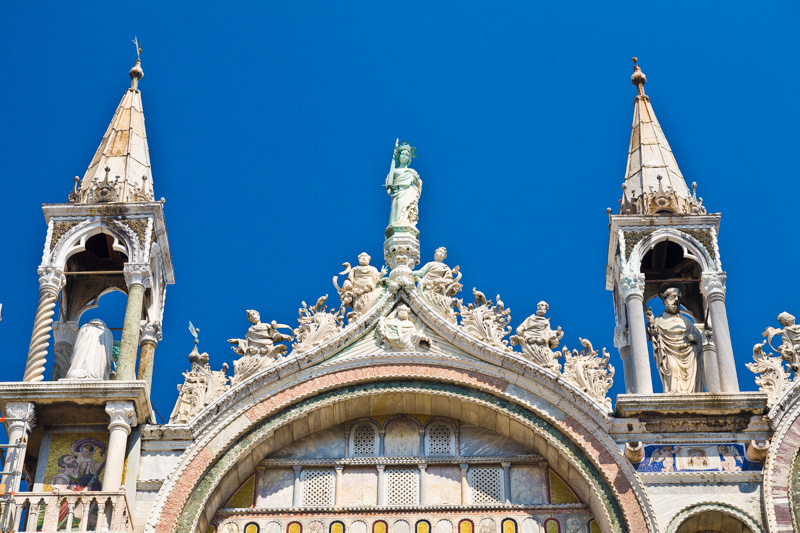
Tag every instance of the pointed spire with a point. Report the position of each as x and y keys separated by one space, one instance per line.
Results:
x=653 y=182
x=120 y=170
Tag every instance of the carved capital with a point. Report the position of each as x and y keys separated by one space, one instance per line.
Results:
x=51 y=279
x=22 y=412
x=138 y=274
x=122 y=415
x=65 y=332
x=150 y=332
x=713 y=285
x=632 y=285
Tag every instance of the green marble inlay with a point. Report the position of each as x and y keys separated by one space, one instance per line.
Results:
x=214 y=475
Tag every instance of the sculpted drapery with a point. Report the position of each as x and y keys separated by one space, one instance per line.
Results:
x=676 y=345
x=91 y=357
x=404 y=186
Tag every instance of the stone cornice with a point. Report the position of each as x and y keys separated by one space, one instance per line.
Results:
x=430 y=460
x=80 y=392
x=371 y=510
x=704 y=404
x=700 y=478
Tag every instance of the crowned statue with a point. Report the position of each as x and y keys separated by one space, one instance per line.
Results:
x=404 y=186
x=92 y=355
x=676 y=344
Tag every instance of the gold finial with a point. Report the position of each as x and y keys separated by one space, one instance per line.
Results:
x=136 y=72
x=638 y=78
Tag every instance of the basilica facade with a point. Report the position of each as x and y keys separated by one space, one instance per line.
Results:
x=410 y=405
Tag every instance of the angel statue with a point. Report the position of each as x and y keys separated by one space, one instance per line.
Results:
x=261 y=339
x=790 y=336
x=404 y=186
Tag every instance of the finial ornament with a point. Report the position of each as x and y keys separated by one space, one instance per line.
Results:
x=136 y=72
x=638 y=78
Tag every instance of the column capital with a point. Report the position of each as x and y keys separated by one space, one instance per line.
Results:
x=713 y=285
x=464 y=466
x=122 y=415
x=423 y=466
x=51 y=279
x=380 y=467
x=150 y=332
x=24 y=412
x=137 y=274
x=621 y=337
x=632 y=285
x=297 y=469
x=505 y=465
x=338 y=468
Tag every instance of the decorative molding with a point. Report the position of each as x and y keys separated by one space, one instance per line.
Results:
x=59 y=230
x=704 y=237
x=534 y=459
x=632 y=285
x=712 y=506
x=713 y=285
x=138 y=274
x=122 y=414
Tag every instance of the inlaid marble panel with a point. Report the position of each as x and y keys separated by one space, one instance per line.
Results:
x=401 y=438
x=444 y=526
x=401 y=526
x=530 y=525
x=443 y=485
x=272 y=527
x=359 y=486
x=358 y=527
x=528 y=485
x=487 y=525
x=274 y=488
x=315 y=527
x=477 y=441
x=320 y=445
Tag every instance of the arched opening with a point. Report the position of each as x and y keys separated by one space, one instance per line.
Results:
x=664 y=265
x=713 y=522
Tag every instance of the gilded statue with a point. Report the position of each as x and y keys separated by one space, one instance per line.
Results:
x=404 y=186
x=676 y=344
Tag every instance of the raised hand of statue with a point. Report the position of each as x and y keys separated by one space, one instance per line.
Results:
x=651 y=318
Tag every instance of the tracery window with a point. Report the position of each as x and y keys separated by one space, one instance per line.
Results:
x=318 y=486
x=402 y=486
x=363 y=440
x=486 y=485
x=439 y=439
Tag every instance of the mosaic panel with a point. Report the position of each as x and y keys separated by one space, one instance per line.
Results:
x=696 y=458
x=76 y=461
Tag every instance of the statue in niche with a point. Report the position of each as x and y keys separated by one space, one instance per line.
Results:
x=92 y=355
x=261 y=339
x=790 y=337
x=358 y=291
x=676 y=344
x=438 y=284
x=399 y=333
x=404 y=186
x=537 y=340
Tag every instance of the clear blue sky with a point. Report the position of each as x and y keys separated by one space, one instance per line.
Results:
x=271 y=127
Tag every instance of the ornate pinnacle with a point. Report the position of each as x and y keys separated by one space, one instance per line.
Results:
x=638 y=78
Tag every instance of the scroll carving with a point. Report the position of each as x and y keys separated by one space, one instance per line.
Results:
x=486 y=321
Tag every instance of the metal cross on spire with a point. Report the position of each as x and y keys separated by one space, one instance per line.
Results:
x=138 y=48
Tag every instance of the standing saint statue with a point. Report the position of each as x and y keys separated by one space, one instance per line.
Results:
x=676 y=344
x=438 y=283
x=537 y=340
x=91 y=357
x=404 y=186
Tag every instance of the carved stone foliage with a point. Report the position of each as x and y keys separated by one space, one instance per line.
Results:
x=201 y=386
x=316 y=325
x=398 y=332
x=590 y=372
x=59 y=230
x=139 y=227
x=537 y=340
x=259 y=348
x=361 y=287
x=632 y=238
x=771 y=375
x=486 y=321
x=438 y=284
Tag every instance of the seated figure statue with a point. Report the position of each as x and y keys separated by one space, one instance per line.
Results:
x=537 y=340
x=91 y=357
x=261 y=339
x=358 y=290
x=399 y=333
x=676 y=344
x=438 y=283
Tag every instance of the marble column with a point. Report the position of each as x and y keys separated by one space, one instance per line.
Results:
x=632 y=286
x=337 y=495
x=710 y=363
x=137 y=276
x=149 y=337
x=423 y=482
x=123 y=416
x=713 y=285
x=506 y=482
x=21 y=420
x=64 y=335
x=464 y=484
x=381 y=485
x=623 y=344
x=296 y=500
x=51 y=280
x=381 y=444
x=422 y=443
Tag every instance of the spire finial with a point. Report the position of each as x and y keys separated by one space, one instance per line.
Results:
x=638 y=78
x=136 y=72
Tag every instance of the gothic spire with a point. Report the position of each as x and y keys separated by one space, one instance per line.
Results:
x=120 y=170
x=653 y=182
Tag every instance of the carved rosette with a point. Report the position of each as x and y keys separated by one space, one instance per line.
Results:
x=122 y=415
x=138 y=274
x=486 y=321
x=713 y=286
x=632 y=285
x=771 y=376
x=590 y=372
x=316 y=325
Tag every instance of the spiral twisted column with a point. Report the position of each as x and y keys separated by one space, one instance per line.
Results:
x=51 y=279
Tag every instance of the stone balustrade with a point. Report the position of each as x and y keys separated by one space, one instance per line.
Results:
x=70 y=511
